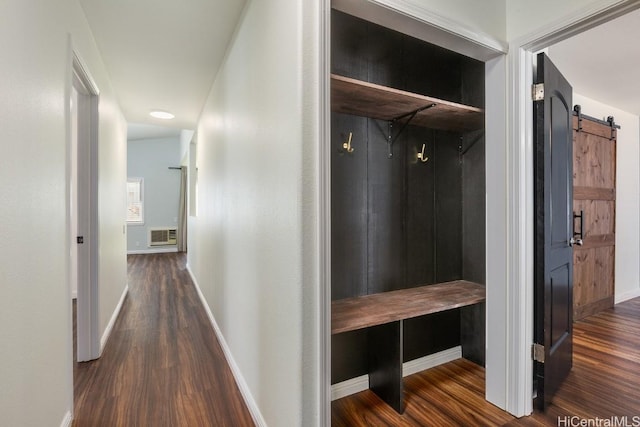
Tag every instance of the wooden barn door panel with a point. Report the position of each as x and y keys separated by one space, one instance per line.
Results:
x=593 y=280
x=594 y=181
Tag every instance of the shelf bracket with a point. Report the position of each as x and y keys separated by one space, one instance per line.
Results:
x=391 y=124
x=470 y=146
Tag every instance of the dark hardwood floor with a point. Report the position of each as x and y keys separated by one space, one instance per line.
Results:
x=605 y=379
x=162 y=365
x=604 y=383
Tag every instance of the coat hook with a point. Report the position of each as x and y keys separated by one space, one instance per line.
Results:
x=347 y=145
x=422 y=157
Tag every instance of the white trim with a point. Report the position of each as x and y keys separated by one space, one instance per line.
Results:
x=626 y=296
x=69 y=226
x=84 y=75
x=88 y=342
x=74 y=295
x=519 y=297
x=324 y=213
x=235 y=369
x=67 y=420
x=361 y=383
x=114 y=317
x=153 y=251
x=349 y=387
x=431 y=361
x=520 y=244
x=496 y=184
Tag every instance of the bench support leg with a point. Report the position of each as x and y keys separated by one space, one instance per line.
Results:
x=385 y=363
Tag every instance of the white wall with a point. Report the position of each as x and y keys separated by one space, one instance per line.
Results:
x=627 y=267
x=112 y=178
x=488 y=16
x=150 y=160
x=35 y=305
x=246 y=244
x=526 y=16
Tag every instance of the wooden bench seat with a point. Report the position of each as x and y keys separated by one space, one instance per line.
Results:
x=383 y=314
x=360 y=312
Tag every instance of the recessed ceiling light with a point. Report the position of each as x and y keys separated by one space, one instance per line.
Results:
x=158 y=114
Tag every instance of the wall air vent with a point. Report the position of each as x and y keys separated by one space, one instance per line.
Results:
x=162 y=236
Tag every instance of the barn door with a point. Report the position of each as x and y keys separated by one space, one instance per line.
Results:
x=594 y=202
x=553 y=266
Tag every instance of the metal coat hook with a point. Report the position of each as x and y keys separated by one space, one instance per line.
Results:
x=347 y=145
x=422 y=157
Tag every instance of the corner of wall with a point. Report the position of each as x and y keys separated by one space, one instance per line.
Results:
x=112 y=320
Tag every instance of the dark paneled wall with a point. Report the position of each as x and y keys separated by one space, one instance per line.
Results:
x=472 y=319
x=398 y=222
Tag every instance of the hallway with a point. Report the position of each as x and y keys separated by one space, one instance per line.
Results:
x=162 y=365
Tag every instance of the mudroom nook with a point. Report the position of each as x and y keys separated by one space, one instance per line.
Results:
x=408 y=204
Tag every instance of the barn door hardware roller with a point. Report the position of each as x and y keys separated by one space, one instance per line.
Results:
x=578 y=112
x=612 y=124
x=577 y=237
x=392 y=123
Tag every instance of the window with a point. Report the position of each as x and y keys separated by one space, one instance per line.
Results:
x=135 y=201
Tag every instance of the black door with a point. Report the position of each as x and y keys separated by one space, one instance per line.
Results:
x=553 y=267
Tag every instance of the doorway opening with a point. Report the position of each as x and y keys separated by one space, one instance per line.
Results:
x=83 y=191
x=491 y=61
x=521 y=192
x=161 y=188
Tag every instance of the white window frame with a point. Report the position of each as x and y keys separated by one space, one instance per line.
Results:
x=140 y=182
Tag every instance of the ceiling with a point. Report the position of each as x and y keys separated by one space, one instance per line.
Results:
x=604 y=62
x=162 y=54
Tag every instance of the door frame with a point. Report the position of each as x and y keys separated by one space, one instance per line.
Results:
x=521 y=192
x=88 y=339
x=426 y=24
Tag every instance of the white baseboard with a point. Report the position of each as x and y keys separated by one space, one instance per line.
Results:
x=153 y=251
x=67 y=420
x=74 y=295
x=242 y=384
x=431 y=361
x=349 y=387
x=625 y=296
x=361 y=383
x=114 y=317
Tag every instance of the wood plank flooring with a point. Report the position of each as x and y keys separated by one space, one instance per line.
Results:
x=162 y=365
x=604 y=383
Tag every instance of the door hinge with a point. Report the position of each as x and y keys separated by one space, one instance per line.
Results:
x=537 y=353
x=537 y=92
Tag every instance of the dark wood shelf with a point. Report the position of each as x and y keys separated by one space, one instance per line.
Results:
x=364 y=311
x=351 y=96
